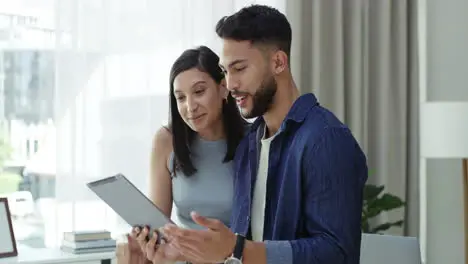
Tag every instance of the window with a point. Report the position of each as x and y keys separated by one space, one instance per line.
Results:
x=27 y=90
x=27 y=81
x=83 y=88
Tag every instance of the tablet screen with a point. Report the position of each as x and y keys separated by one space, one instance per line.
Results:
x=129 y=202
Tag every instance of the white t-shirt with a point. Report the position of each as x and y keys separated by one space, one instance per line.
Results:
x=259 y=194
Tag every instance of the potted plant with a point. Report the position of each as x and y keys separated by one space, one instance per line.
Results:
x=376 y=202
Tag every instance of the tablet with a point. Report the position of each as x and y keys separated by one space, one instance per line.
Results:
x=129 y=202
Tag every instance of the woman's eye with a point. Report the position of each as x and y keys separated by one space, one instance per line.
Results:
x=240 y=69
x=199 y=91
x=179 y=98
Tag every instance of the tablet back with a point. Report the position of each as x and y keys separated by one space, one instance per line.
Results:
x=128 y=202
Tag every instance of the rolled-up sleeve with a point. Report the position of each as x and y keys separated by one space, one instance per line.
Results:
x=278 y=252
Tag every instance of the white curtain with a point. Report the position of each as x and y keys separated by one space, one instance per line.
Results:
x=112 y=70
x=360 y=58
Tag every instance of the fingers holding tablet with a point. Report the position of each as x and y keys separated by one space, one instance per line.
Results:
x=162 y=253
x=144 y=235
x=152 y=245
x=133 y=245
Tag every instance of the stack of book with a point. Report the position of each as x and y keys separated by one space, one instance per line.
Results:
x=81 y=242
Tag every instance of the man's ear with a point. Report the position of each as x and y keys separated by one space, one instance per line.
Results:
x=279 y=62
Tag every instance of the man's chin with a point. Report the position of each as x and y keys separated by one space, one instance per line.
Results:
x=251 y=113
x=250 y=117
x=246 y=114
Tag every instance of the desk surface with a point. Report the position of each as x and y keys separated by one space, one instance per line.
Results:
x=28 y=255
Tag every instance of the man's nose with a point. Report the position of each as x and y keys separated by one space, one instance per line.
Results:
x=231 y=83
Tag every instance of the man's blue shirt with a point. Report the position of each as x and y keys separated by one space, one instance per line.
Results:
x=316 y=176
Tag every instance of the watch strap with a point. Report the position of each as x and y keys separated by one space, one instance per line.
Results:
x=239 y=248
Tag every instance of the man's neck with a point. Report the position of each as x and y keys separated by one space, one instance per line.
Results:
x=285 y=96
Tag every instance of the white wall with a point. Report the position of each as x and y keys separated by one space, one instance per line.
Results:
x=445 y=238
x=447 y=80
x=447 y=50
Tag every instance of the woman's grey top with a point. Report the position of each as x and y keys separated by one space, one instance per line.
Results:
x=209 y=191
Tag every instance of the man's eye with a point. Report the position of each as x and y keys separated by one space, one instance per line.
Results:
x=239 y=69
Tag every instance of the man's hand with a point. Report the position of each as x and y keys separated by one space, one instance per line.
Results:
x=213 y=245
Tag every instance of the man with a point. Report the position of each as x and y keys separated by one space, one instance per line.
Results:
x=299 y=172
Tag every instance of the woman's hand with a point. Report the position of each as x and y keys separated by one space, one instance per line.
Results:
x=163 y=253
x=141 y=237
x=144 y=251
x=136 y=247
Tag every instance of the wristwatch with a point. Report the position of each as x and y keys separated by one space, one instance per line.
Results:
x=236 y=257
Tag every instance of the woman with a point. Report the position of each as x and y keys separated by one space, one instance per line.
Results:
x=191 y=163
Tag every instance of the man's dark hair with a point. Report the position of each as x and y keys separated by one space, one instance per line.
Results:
x=259 y=24
x=205 y=60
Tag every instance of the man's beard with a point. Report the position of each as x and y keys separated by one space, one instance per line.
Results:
x=262 y=99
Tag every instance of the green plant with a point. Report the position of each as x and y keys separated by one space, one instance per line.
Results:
x=9 y=182
x=375 y=203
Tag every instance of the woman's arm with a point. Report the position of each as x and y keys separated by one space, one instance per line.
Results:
x=160 y=182
x=160 y=192
x=160 y=185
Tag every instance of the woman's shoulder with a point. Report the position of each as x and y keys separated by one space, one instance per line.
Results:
x=163 y=133
x=162 y=140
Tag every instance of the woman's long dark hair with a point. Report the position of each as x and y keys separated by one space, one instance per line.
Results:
x=205 y=60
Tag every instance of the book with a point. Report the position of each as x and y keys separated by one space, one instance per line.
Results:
x=86 y=235
x=89 y=243
x=87 y=250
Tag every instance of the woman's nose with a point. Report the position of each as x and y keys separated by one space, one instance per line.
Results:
x=192 y=105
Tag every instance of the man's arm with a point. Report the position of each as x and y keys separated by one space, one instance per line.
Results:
x=334 y=174
x=267 y=252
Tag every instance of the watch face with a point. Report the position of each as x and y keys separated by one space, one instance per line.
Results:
x=232 y=260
